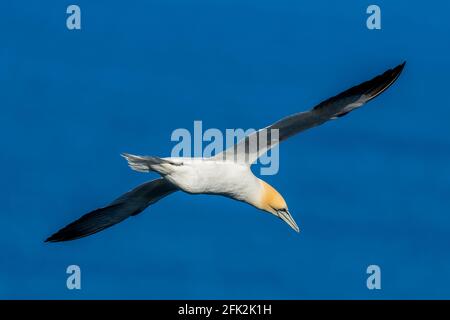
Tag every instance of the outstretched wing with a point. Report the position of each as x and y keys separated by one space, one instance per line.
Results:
x=256 y=144
x=128 y=204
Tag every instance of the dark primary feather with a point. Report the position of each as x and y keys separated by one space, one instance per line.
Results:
x=336 y=106
x=129 y=204
x=259 y=142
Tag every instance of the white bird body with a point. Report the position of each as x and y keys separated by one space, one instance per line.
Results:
x=211 y=176
x=231 y=178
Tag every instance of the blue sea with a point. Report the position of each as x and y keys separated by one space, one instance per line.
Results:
x=371 y=188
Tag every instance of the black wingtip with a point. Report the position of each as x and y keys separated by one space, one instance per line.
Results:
x=394 y=73
x=369 y=89
x=63 y=236
x=52 y=238
x=382 y=82
x=56 y=237
x=398 y=69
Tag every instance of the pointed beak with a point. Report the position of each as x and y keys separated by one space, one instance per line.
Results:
x=286 y=217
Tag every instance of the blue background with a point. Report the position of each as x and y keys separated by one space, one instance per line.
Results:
x=370 y=188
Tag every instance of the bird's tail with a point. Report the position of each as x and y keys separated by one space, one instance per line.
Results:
x=147 y=164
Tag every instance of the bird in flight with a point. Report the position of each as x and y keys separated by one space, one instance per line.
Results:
x=227 y=173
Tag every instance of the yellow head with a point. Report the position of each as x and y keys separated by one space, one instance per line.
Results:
x=272 y=201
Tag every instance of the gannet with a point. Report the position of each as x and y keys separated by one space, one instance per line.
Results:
x=227 y=173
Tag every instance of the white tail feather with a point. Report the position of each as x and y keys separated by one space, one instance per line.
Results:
x=147 y=164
